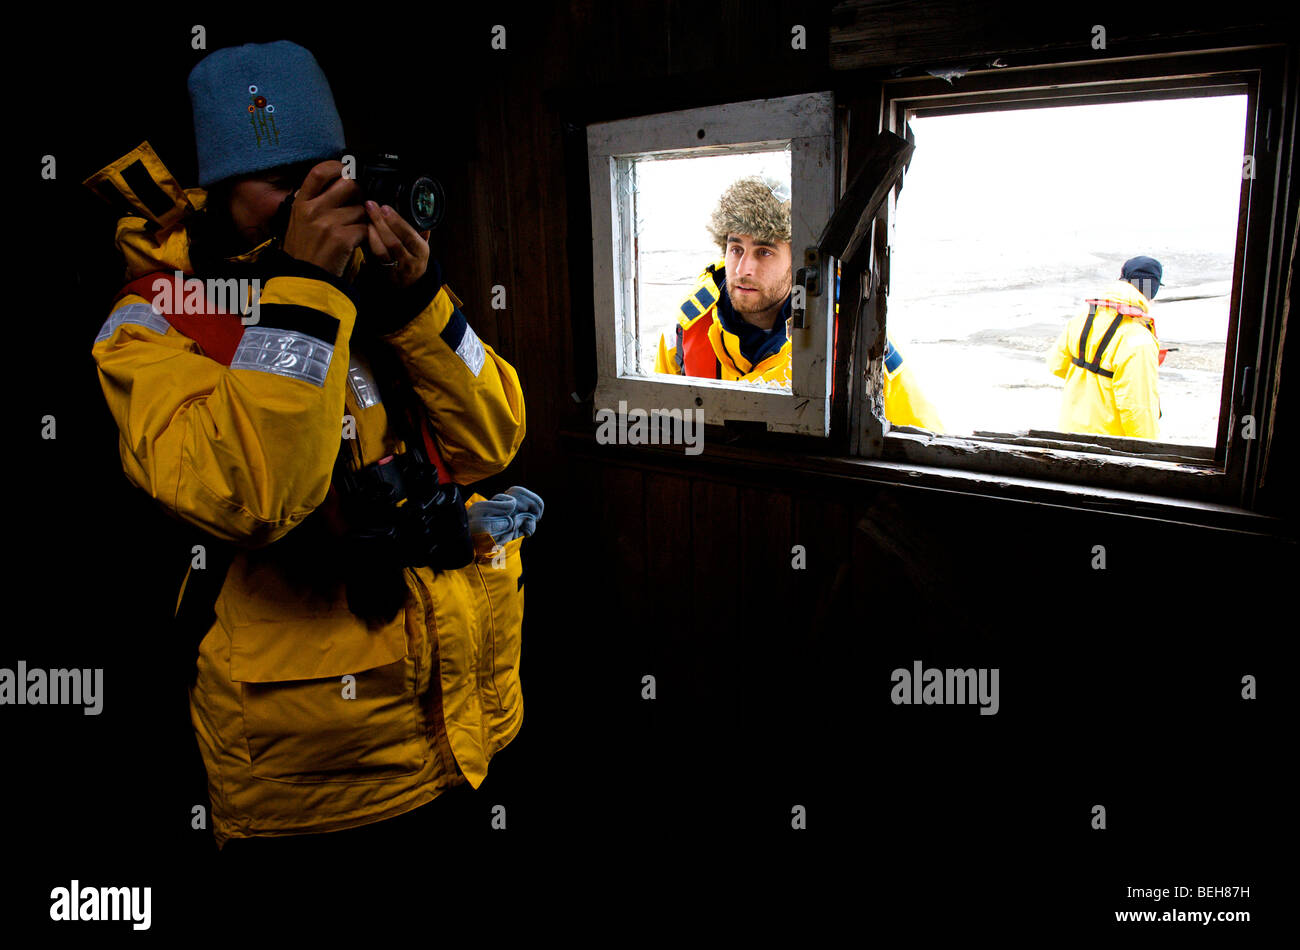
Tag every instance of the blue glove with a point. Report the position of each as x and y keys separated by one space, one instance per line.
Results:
x=506 y=516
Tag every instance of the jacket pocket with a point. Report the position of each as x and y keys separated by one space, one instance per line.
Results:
x=501 y=580
x=327 y=700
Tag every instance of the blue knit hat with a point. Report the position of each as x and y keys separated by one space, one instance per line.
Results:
x=260 y=106
x=1144 y=269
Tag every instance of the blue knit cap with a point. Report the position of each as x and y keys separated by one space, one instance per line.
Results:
x=259 y=106
x=1144 y=273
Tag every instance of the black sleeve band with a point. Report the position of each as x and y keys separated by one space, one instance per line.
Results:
x=296 y=319
x=455 y=329
x=383 y=309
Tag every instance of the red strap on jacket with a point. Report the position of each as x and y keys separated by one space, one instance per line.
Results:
x=444 y=476
x=698 y=358
x=218 y=334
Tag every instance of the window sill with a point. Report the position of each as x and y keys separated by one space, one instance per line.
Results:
x=779 y=465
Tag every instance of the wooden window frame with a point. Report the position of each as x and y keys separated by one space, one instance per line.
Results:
x=1223 y=475
x=807 y=122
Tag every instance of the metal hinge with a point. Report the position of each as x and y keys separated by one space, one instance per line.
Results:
x=809 y=279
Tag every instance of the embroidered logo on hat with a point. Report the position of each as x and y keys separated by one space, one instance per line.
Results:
x=262 y=115
x=258 y=88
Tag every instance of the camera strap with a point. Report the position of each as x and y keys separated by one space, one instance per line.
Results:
x=406 y=413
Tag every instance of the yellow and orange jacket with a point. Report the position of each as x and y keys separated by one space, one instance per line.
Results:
x=704 y=347
x=1109 y=357
x=308 y=719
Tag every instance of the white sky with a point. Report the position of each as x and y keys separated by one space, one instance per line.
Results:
x=1141 y=165
x=680 y=194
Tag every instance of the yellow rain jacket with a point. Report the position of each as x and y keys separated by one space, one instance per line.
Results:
x=1109 y=357
x=706 y=348
x=307 y=719
x=905 y=403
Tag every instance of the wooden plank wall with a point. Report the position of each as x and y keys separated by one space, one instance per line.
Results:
x=899 y=33
x=767 y=675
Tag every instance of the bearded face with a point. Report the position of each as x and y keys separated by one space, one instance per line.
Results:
x=758 y=274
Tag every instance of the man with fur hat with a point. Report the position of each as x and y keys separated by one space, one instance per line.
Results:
x=1108 y=356
x=735 y=324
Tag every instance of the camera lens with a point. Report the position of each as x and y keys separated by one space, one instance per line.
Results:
x=426 y=204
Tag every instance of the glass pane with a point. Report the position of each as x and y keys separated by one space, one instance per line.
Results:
x=674 y=200
x=1009 y=222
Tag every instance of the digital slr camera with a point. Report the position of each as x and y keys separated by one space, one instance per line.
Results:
x=398 y=511
x=416 y=196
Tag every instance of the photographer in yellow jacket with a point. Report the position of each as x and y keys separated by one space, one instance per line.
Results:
x=358 y=620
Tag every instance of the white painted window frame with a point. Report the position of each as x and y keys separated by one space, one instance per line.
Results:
x=807 y=123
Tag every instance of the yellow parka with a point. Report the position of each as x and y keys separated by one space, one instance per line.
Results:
x=905 y=403
x=701 y=335
x=307 y=719
x=1111 y=386
x=708 y=348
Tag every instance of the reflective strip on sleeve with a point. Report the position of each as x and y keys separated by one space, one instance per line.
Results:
x=471 y=350
x=458 y=335
x=362 y=382
x=140 y=313
x=284 y=353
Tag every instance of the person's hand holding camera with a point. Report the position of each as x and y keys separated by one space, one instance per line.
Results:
x=400 y=250
x=327 y=221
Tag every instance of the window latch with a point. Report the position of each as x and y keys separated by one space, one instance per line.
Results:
x=807 y=283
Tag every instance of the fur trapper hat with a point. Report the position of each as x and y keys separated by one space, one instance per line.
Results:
x=751 y=206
